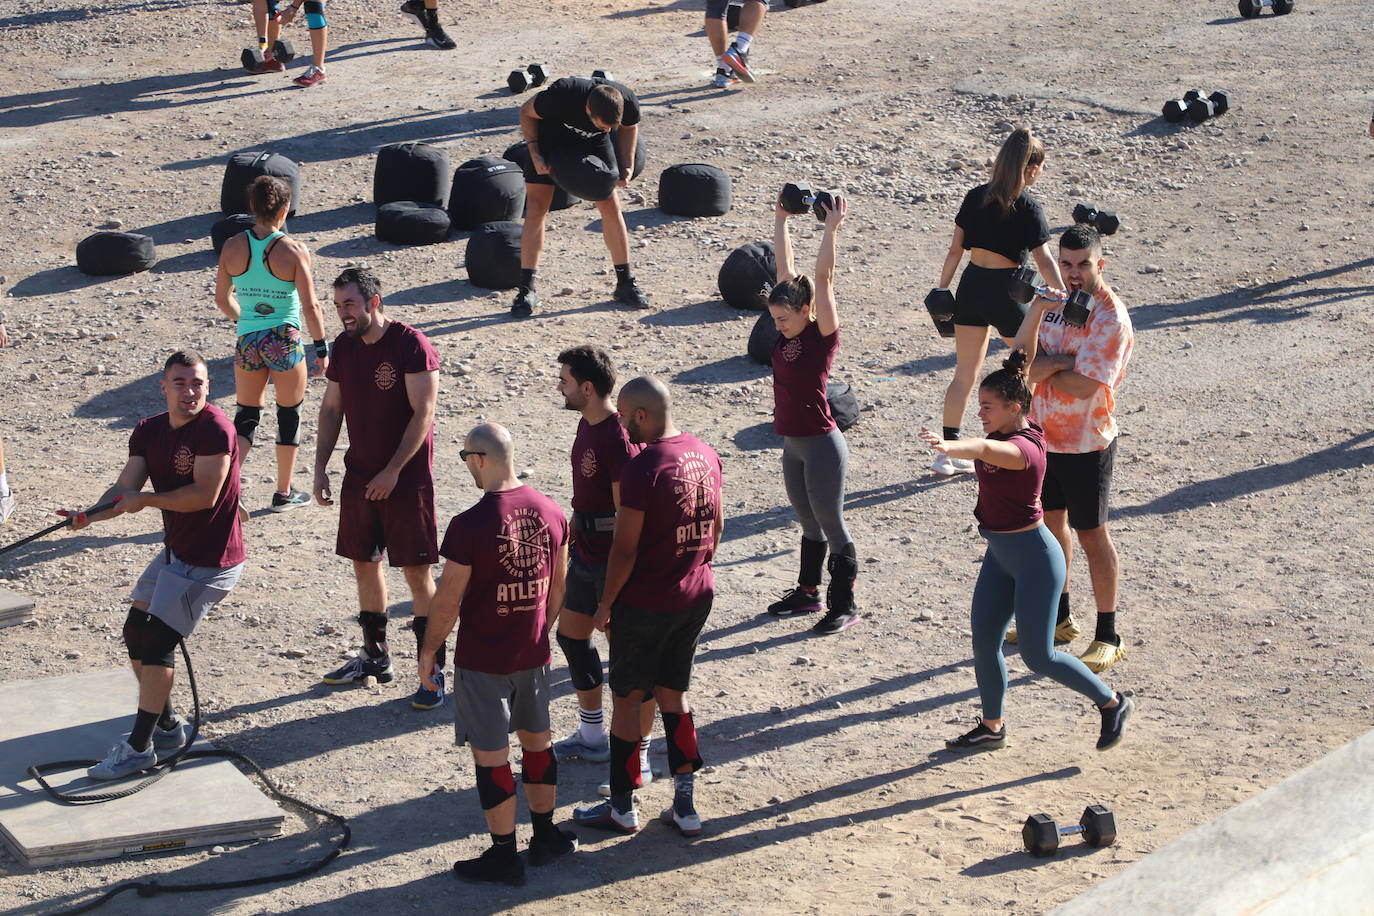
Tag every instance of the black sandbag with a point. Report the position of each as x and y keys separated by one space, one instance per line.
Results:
x=225 y=229
x=694 y=189
x=416 y=172
x=486 y=190
x=587 y=175
x=408 y=222
x=493 y=255
x=746 y=278
x=244 y=167
x=762 y=339
x=107 y=254
x=844 y=405
x=519 y=154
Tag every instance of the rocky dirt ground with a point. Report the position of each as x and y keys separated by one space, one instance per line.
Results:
x=1241 y=505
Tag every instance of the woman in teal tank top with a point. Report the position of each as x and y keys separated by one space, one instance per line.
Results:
x=264 y=284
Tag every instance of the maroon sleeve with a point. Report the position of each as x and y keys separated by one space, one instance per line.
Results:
x=423 y=357
x=636 y=485
x=138 y=440
x=457 y=544
x=213 y=438
x=618 y=453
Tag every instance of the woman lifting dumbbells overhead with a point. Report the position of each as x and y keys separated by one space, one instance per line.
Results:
x=814 y=454
x=999 y=223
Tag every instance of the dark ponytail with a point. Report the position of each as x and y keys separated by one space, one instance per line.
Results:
x=796 y=293
x=1010 y=382
x=1019 y=151
x=268 y=195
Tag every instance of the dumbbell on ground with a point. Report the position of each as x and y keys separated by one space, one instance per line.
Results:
x=1022 y=288
x=599 y=74
x=940 y=304
x=1104 y=221
x=798 y=197
x=1041 y=835
x=1251 y=8
x=253 y=59
x=520 y=80
x=1194 y=107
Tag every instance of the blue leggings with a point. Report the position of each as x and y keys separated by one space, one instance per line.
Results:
x=1022 y=576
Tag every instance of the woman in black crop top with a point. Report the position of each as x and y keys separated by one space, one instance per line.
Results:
x=999 y=223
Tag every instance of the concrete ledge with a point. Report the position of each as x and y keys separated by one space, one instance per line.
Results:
x=1305 y=846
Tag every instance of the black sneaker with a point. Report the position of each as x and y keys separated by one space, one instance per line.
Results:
x=836 y=622
x=981 y=738
x=494 y=866
x=436 y=37
x=1114 y=722
x=415 y=9
x=797 y=601
x=293 y=500
x=627 y=292
x=526 y=301
x=546 y=849
x=360 y=667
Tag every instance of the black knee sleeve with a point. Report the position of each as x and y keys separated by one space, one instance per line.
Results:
x=149 y=641
x=246 y=421
x=421 y=626
x=289 y=425
x=584 y=662
x=539 y=768
x=495 y=785
x=374 y=628
x=681 y=732
x=314 y=15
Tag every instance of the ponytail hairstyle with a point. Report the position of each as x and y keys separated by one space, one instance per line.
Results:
x=795 y=294
x=268 y=195
x=1019 y=151
x=1010 y=382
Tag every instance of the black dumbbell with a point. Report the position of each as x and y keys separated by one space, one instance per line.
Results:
x=1104 y=221
x=940 y=304
x=1022 y=288
x=798 y=197
x=1041 y=835
x=520 y=80
x=253 y=59
x=1251 y=8
x=600 y=74
x=1200 y=109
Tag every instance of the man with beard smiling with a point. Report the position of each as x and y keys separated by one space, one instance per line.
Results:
x=383 y=381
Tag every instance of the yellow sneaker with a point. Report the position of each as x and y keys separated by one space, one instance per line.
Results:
x=1067 y=631
x=1102 y=655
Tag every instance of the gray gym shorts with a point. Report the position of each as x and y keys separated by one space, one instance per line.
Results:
x=488 y=708
x=180 y=594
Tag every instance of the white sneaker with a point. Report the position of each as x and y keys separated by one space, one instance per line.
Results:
x=7 y=504
x=950 y=466
x=123 y=760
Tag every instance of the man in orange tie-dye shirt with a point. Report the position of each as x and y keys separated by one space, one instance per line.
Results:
x=1075 y=376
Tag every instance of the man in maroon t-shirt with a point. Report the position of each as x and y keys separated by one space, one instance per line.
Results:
x=657 y=598
x=191 y=454
x=507 y=560
x=384 y=382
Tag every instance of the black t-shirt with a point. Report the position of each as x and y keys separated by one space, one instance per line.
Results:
x=1012 y=236
x=563 y=107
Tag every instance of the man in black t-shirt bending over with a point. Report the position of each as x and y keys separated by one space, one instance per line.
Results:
x=582 y=133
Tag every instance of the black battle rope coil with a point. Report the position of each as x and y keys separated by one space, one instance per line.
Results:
x=150 y=888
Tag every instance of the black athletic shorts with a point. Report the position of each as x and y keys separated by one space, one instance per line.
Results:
x=982 y=300
x=584 y=587
x=653 y=648
x=1080 y=484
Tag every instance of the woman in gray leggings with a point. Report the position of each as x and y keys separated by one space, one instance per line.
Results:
x=814 y=455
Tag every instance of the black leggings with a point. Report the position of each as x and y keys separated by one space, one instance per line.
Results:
x=982 y=299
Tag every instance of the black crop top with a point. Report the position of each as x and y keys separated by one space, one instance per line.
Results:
x=1012 y=236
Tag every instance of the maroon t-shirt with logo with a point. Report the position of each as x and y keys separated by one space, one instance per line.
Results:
x=675 y=482
x=801 y=367
x=376 y=406
x=511 y=540
x=1009 y=500
x=208 y=537
x=599 y=455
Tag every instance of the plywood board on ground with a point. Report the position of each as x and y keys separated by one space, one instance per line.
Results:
x=14 y=608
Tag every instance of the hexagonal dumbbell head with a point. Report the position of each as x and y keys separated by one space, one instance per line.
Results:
x=1175 y=110
x=1192 y=94
x=284 y=50
x=1200 y=110
x=1282 y=7
x=1249 y=9
x=1077 y=308
x=1221 y=102
x=797 y=197
x=518 y=81
x=824 y=201
x=1099 y=826
x=538 y=76
x=599 y=74
x=1040 y=835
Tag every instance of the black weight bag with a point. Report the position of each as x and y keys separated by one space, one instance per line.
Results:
x=844 y=406
x=405 y=222
x=107 y=254
x=587 y=175
x=694 y=189
x=225 y=229
x=493 y=255
x=244 y=167
x=486 y=190
x=762 y=339
x=746 y=278
x=519 y=154
x=411 y=171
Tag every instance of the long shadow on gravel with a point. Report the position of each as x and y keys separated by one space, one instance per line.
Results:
x=149 y=93
x=707 y=311
x=55 y=280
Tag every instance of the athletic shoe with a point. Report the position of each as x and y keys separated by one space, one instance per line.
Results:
x=948 y=466
x=1102 y=655
x=545 y=850
x=360 y=666
x=271 y=65
x=687 y=824
x=492 y=867
x=292 y=500
x=724 y=78
x=415 y=9
x=7 y=504
x=981 y=738
x=171 y=739
x=797 y=601
x=603 y=816
x=526 y=301
x=576 y=746
x=313 y=76
x=739 y=63
x=836 y=622
x=1067 y=630
x=645 y=777
x=429 y=699
x=1114 y=723
x=629 y=293
x=436 y=37
x=123 y=760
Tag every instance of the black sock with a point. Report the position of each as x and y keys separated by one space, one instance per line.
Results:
x=622 y=274
x=1106 y=627
x=527 y=279
x=142 y=733
x=504 y=843
x=430 y=17
x=623 y=803
x=168 y=719
x=542 y=823
x=374 y=633
x=1063 y=607
x=951 y=433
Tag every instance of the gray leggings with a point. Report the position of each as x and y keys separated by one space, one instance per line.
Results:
x=813 y=469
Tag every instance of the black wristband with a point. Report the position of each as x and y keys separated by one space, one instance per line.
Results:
x=322 y=348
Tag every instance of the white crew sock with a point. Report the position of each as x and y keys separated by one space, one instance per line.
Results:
x=593 y=728
x=743 y=40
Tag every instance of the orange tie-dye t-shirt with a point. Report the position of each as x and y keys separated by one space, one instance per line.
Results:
x=1101 y=350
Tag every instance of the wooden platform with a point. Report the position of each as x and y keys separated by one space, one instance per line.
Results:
x=201 y=803
x=14 y=608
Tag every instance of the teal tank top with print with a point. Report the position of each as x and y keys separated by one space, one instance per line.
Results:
x=265 y=301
